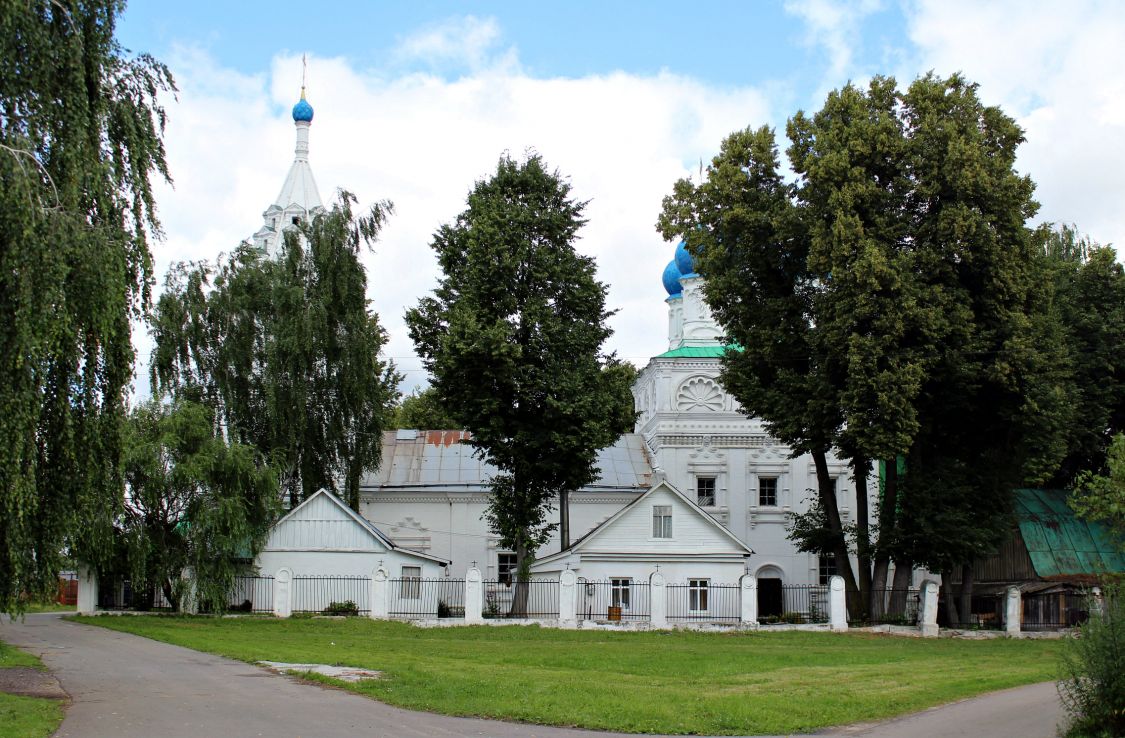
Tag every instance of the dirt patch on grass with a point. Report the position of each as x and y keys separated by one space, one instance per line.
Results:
x=29 y=682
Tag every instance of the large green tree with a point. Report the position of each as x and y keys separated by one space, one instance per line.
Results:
x=422 y=410
x=513 y=338
x=901 y=262
x=195 y=503
x=286 y=350
x=80 y=138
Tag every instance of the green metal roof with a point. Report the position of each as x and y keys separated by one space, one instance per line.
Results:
x=1060 y=543
x=694 y=352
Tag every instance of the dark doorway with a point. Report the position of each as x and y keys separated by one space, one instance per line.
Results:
x=769 y=598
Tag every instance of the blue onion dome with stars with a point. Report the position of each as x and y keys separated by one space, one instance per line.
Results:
x=302 y=111
x=683 y=261
x=672 y=279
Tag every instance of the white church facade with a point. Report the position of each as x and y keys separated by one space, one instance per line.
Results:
x=430 y=493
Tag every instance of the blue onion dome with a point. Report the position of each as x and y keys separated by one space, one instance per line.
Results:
x=683 y=260
x=672 y=279
x=302 y=111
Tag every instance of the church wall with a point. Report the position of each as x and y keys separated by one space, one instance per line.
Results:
x=451 y=524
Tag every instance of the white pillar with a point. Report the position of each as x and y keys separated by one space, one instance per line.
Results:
x=837 y=604
x=748 y=591
x=658 y=600
x=87 y=590
x=474 y=597
x=283 y=592
x=568 y=599
x=380 y=589
x=1013 y=611
x=927 y=618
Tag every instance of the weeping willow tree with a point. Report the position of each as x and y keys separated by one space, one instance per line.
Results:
x=285 y=351
x=80 y=139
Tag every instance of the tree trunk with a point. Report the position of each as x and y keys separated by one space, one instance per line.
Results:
x=519 y=581
x=952 y=618
x=173 y=601
x=863 y=537
x=967 y=592
x=887 y=508
x=904 y=571
x=826 y=490
x=564 y=519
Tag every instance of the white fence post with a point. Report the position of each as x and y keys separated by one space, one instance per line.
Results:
x=474 y=597
x=1096 y=602
x=568 y=599
x=658 y=600
x=748 y=594
x=283 y=592
x=87 y=590
x=1013 y=611
x=837 y=604
x=927 y=618
x=380 y=588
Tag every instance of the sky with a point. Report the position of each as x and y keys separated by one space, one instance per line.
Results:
x=417 y=101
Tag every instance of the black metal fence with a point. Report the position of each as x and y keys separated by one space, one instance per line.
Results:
x=703 y=600
x=800 y=604
x=888 y=607
x=331 y=595
x=986 y=612
x=1055 y=610
x=614 y=600
x=248 y=594
x=413 y=597
x=537 y=599
x=251 y=594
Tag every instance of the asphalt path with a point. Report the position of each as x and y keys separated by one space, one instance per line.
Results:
x=126 y=686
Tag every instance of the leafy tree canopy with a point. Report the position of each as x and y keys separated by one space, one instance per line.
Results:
x=80 y=137
x=1101 y=497
x=195 y=503
x=422 y=410
x=286 y=350
x=513 y=337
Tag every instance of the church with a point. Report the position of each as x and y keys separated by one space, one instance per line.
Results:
x=713 y=463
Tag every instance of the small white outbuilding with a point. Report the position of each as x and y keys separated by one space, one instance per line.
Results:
x=324 y=537
x=660 y=530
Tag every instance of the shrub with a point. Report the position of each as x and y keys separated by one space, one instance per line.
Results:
x=1093 y=686
x=347 y=607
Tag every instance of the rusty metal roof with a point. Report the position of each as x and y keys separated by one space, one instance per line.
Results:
x=437 y=459
x=1061 y=544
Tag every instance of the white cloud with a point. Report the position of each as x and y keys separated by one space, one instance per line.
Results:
x=462 y=42
x=422 y=141
x=834 y=25
x=1056 y=68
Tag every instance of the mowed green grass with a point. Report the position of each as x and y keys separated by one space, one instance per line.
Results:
x=25 y=717
x=654 y=682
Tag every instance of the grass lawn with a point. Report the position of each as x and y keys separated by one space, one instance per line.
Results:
x=657 y=682
x=25 y=717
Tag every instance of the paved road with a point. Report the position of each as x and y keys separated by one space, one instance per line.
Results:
x=129 y=687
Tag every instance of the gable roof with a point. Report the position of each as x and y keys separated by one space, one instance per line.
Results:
x=1061 y=544
x=359 y=520
x=664 y=484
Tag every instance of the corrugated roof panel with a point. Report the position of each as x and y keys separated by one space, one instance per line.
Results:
x=442 y=459
x=1058 y=542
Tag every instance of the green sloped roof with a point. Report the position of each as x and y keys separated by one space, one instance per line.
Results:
x=695 y=352
x=1060 y=543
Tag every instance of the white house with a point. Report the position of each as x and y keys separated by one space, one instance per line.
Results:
x=662 y=530
x=324 y=537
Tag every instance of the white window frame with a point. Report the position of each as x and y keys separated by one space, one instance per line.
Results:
x=505 y=574
x=776 y=490
x=621 y=592
x=661 y=522
x=699 y=595
x=825 y=568
x=714 y=480
x=410 y=584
